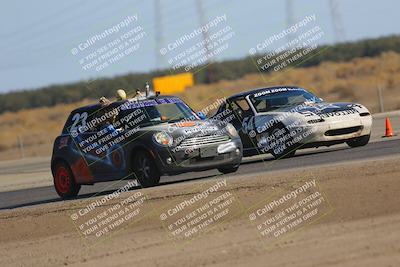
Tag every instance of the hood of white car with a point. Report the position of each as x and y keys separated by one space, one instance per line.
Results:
x=322 y=109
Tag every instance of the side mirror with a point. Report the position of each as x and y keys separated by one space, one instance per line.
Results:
x=201 y=115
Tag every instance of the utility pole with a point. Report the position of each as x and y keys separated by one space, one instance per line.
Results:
x=289 y=19
x=337 y=21
x=159 y=37
x=21 y=146
x=202 y=18
x=381 y=105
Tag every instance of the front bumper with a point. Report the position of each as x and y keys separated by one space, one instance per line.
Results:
x=175 y=160
x=335 y=131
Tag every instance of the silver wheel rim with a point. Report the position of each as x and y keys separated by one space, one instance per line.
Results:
x=144 y=168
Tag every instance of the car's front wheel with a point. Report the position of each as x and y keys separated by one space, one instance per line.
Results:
x=360 y=141
x=64 y=181
x=145 y=169
x=228 y=169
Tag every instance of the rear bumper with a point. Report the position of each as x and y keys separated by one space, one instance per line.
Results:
x=170 y=161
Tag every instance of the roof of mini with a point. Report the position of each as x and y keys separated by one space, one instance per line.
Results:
x=94 y=107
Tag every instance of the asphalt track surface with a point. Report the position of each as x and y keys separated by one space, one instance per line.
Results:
x=264 y=164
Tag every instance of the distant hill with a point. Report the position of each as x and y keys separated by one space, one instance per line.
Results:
x=226 y=70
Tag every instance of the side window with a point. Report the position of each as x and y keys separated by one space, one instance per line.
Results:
x=242 y=103
x=236 y=109
x=222 y=108
x=104 y=117
x=236 y=114
x=241 y=108
x=227 y=106
x=260 y=105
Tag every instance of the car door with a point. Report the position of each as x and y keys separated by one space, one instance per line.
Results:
x=244 y=117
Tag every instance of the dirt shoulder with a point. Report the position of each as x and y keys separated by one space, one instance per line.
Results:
x=358 y=224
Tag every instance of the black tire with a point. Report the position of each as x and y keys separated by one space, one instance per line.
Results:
x=282 y=151
x=228 y=169
x=64 y=181
x=360 y=141
x=145 y=169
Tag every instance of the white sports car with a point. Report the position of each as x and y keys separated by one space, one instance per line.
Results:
x=280 y=120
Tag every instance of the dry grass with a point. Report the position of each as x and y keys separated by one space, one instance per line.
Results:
x=356 y=81
x=36 y=128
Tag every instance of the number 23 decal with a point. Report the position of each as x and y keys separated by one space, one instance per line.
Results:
x=76 y=118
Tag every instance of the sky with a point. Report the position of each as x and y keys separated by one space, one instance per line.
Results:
x=37 y=38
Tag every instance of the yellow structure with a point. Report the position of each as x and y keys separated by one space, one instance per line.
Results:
x=172 y=84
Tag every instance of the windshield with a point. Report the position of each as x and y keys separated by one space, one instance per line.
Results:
x=169 y=112
x=272 y=99
x=158 y=113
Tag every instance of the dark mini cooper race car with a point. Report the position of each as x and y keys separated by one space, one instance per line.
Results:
x=280 y=120
x=141 y=139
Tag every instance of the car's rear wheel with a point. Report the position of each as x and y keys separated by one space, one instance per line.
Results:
x=360 y=141
x=145 y=169
x=228 y=169
x=64 y=181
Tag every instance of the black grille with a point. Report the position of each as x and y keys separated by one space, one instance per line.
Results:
x=343 y=131
x=204 y=140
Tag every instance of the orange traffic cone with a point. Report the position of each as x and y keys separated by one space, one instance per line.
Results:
x=389 y=129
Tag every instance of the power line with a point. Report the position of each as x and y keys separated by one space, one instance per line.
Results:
x=32 y=24
x=35 y=35
x=180 y=15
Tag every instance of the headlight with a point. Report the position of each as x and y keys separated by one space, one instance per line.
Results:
x=163 y=138
x=231 y=130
